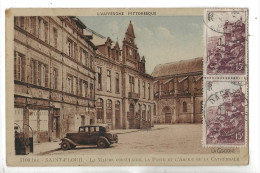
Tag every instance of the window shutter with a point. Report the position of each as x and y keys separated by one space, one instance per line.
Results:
x=74 y=86
x=35 y=73
x=32 y=72
x=75 y=50
x=87 y=93
x=23 y=68
x=39 y=74
x=80 y=55
x=56 y=79
x=80 y=87
x=33 y=25
x=15 y=66
x=46 y=76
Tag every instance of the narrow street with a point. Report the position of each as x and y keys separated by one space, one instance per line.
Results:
x=162 y=139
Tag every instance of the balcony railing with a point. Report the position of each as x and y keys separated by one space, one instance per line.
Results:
x=133 y=95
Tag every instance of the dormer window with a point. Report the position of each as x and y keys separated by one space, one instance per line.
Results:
x=117 y=54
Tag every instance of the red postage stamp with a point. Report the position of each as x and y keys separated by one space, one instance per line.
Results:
x=226 y=42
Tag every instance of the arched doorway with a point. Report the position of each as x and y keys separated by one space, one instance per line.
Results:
x=144 y=113
x=138 y=116
x=184 y=107
x=131 y=116
x=109 y=111
x=167 y=112
x=117 y=115
x=149 y=113
x=100 y=111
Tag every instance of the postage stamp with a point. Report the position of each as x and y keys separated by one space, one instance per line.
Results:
x=126 y=87
x=225 y=113
x=226 y=42
x=225 y=78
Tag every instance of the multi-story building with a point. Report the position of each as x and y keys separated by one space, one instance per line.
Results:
x=124 y=92
x=54 y=77
x=178 y=91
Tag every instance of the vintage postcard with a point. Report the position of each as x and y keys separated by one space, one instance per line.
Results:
x=126 y=87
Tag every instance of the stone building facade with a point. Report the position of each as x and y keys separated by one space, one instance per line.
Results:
x=124 y=92
x=178 y=92
x=64 y=78
x=66 y=75
x=54 y=76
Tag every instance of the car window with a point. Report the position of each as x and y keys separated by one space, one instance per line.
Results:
x=81 y=129
x=86 y=129
x=92 y=129
x=107 y=129
x=102 y=129
x=97 y=129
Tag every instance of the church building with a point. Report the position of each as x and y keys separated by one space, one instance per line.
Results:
x=178 y=92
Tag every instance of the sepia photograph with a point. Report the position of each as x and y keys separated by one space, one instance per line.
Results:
x=127 y=87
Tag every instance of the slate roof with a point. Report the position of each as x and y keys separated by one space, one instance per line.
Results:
x=179 y=67
x=98 y=40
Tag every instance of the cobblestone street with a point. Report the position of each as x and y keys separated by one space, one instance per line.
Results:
x=162 y=139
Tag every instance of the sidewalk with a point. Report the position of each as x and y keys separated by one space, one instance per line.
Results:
x=48 y=147
x=45 y=148
x=122 y=131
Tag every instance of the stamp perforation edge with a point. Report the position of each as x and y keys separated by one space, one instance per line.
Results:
x=210 y=77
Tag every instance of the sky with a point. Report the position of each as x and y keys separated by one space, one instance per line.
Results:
x=161 y=39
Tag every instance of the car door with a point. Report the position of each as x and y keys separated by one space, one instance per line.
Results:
x=85 y=136
x=93 y=135
x=82 y=135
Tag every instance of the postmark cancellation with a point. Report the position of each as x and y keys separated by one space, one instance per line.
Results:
x=225 y=113
x=225 y=78
x=226 y=42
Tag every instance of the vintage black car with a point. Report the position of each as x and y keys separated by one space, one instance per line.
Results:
x=89 y=135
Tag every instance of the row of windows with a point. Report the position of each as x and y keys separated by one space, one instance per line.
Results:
x=84 y=57
x=100 y=110
x=185 y=108
x=108 y=78
x=40 y=28
x=132 y=87
x=142 y=112
x=40 y=73
x=39 y=70
x=79 y=87
x=39 y=76
x=182 y=86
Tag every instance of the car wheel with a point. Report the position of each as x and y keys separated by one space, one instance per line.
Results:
x=65 y=145
x=101 y=143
